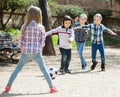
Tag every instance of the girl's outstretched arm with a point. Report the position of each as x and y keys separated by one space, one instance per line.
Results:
x=79 y=27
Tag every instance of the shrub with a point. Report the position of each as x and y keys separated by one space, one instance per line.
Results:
x=71 y=10
x=53 y=6
x=104 y=13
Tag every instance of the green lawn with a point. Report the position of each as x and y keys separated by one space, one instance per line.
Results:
x=108 y=41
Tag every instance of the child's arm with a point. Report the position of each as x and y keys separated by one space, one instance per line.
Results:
x=42 y=35
x=82 y=27
x=53 y=31
x=112 y=33
x=22 y=36
x=108 y=30
x=79 y=27
x=72 y=37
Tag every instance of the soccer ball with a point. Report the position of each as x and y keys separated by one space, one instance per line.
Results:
x=53 y=72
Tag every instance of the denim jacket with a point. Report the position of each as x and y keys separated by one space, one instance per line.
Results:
x=80 y=34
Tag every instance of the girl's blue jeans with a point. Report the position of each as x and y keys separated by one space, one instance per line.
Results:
x=100 y=47
x=24 y=59
x=80 y=48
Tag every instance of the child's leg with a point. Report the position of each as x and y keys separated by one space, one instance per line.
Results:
x=83 y=61
x=20 y=65
x=78 y=46
x=63 y=59
x=39 y=59
x=102 y=53
x=94 y=51
x=68 y=51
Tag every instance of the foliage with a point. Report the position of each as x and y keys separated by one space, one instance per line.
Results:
x=11 y=6
x=53 y=6
x=31 y=2
x=16 y=4
x=111 y=40
x=103 y=12
x=12 y=31
x=118 y=1
x=71 y=10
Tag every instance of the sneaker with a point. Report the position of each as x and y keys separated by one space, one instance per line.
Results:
x=7 y=88
x=94 y=65
x=68 y=71
x=102 y=67
x=62 y=71
x=53 y=89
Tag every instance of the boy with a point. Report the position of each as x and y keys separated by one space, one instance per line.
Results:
x=65 y=36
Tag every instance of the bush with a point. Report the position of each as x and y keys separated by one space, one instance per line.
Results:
x=53 y=6
x=13 y=32
x=104 y=13
x=71 y=10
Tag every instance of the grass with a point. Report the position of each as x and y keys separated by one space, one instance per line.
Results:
x=111 y=41
x=108 y=41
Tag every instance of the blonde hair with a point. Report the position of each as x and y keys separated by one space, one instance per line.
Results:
x=83 y=15
x=34 y=13
x=98 y=15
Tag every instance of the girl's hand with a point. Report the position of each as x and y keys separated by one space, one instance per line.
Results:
x=75 y=28
x=21 y=49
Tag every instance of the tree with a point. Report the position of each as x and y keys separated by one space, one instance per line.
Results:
x=70 y=10
x=11 y=6
x=48 y=49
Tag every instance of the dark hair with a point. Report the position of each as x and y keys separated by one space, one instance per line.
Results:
x=67 y=17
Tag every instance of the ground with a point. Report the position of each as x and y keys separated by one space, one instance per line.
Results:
x=31 y=83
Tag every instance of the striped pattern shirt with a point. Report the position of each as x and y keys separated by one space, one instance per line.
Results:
x=96 y=32
x=63 y=35
x=33 y=38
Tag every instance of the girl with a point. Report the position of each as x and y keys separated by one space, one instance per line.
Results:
x=80 y=38
x=65 y=36
x=31 y=44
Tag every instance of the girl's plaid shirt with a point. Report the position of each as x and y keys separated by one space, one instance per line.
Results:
x=33 y=38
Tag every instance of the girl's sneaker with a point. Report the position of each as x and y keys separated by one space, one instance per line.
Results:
x=53 y=89
x=7 y=88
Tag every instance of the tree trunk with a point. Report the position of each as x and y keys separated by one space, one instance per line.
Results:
x=48 y=49
x=1 y=19
x=11 y=13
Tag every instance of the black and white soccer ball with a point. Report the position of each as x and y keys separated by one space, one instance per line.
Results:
x=53 y=72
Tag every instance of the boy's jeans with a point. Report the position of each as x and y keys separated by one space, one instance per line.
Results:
x=80 y=48
x=100 y=47
x=65 y=58
x=24 y=59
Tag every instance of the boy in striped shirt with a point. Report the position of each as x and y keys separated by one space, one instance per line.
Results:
x=65 y=36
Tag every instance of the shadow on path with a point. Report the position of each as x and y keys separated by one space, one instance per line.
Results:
x=7 y=94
